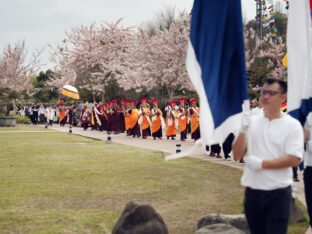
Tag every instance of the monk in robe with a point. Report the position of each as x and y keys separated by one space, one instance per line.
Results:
x=102 y=117
x=156 y=119
x=85 y=116
x=144 y=119
x=171 y=121
x=134 y=119
x=194 y=119
x=62 y=115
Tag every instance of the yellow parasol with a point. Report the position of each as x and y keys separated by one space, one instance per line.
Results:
x=70 y=91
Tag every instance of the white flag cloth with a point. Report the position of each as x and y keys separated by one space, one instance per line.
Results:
x=299 y=46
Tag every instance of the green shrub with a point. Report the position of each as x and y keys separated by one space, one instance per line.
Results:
x=12 y=114
x=22 y=120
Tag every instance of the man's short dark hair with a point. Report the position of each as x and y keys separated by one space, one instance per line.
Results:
x=282 y=84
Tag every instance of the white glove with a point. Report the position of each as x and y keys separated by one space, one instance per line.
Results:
x=253 y=162
x=245 y=122
x=309 y=146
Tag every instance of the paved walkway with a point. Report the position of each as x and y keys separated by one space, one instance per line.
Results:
x=169 y=147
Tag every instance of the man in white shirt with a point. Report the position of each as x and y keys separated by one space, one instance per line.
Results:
x=307 y=174
x=271 y=144
x=50 y=115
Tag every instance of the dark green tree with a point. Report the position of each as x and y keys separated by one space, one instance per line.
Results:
x=43 y=91
x=281 y=24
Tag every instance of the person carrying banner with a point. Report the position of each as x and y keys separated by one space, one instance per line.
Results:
x=95 y=121
x=269 y=157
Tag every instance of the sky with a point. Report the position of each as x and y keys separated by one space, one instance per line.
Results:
x=43 y=22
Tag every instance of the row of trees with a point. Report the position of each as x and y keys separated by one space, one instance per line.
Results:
x=109 y=61
x=138 y=59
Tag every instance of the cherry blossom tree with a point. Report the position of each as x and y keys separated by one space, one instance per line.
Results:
x=137 y=59
x=264 y=58
x=16 y=67
x=158 y=56
x=90 y=56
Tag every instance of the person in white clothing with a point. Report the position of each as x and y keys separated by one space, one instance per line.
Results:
x=307 y=174
x=41 y=114
x=50 y=115
x=271 y=144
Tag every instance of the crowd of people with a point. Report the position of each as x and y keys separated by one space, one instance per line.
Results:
x=47 y=114
x=145 y=119
x=142 y=120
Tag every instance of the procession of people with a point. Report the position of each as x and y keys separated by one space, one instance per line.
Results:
x=145 y=119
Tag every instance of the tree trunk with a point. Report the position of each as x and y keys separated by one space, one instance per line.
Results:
x=103 y=95
x=14 y=105
x=170 y=92
x=93 y=96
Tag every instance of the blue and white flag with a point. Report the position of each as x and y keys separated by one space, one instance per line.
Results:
x=299 y=46
x=216 y=66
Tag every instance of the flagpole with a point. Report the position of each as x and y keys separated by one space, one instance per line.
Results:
x=259 y=17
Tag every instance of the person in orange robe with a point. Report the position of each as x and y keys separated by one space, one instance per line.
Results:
x=62 y=116
x=182 y=119
x=171 y=126
x=156 y=119
x=194 y=119
x=134 y=118
x=144 y=120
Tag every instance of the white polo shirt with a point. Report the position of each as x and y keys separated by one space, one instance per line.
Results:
x=271 y=139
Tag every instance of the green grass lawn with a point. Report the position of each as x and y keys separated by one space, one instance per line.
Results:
x=53 y=182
